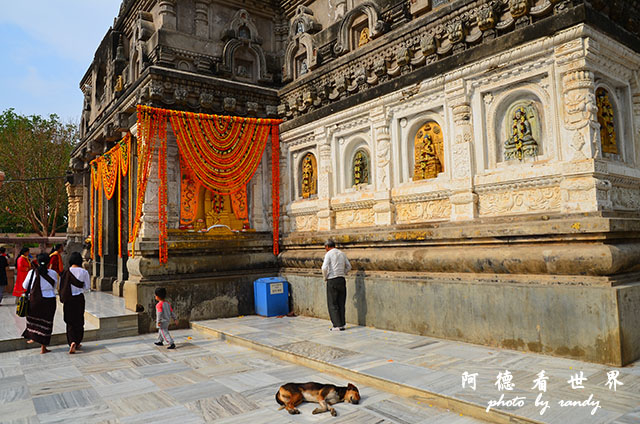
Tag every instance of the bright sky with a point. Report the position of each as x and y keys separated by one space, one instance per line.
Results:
x=46 y=46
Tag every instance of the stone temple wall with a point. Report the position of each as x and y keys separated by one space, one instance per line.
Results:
x=533 y=248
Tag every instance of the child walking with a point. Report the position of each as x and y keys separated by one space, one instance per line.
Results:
x=164 y=315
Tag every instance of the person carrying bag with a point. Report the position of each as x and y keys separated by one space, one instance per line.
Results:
x=22 y=306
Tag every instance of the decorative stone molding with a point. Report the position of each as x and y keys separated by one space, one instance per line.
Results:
x=306 y=223
x=375 y=25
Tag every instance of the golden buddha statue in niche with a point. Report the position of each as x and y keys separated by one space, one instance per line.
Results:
x=309 y=180
x=606 y=119
x=360 y=168
x=429 y=152
x=521 y=142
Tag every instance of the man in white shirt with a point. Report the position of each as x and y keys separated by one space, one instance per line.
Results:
x=334 y=268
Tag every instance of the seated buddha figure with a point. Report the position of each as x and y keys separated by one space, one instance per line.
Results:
x=521 y=143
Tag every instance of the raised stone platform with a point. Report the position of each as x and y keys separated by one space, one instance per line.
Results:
x=430 y=369
x=105 y=318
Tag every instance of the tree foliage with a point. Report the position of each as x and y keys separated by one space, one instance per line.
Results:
x=34 y=155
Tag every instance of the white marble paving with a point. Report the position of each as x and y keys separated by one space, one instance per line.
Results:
x=436 y=366
x=119 y=381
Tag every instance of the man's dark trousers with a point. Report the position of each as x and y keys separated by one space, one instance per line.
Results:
x=336 y=299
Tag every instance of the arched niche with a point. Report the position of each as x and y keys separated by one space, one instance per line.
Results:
x=243 y=57
x=356 y=143
x=307 y=176
x=298 y=50
x=363 y=16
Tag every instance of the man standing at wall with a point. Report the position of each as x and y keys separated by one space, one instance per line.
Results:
x=334 y=268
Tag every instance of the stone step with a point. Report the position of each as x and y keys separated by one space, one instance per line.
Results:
x=105 y=318
x=430 y=369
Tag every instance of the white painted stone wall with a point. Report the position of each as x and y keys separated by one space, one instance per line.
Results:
x=557 y=76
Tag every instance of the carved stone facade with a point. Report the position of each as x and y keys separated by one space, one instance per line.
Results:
x=500 y=140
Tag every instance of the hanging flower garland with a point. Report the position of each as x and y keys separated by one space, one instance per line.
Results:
x=146 y=143
x=221 y=153
x=275 y=186
x=106 y=174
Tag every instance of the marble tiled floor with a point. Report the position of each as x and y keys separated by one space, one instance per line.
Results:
x=98 y=304
x=129 y=380
x=436 y=366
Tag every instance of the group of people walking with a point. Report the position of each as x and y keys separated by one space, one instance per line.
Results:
x=40 y=280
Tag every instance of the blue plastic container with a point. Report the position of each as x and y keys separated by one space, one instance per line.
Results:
x=271 y=296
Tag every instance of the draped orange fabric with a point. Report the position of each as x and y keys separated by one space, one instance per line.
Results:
x=189 y=195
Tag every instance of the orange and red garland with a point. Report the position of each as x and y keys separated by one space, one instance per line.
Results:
x=107 y=172
x=221 y=153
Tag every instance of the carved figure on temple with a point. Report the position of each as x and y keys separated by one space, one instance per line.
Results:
x=360 y=168
x=429 y=152
x=364 y=37
x=309 y=176
x=521 y=142
x=606 y=119
x=518 y=8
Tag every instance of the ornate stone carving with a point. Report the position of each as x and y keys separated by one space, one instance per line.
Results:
x=306 y=223
x=241 y=34
x=206 y=99
x=522 y=201
x=581 y=112
x=518 y=8
x=487 y=16
x=407 y=213
x=375 y=26
x=355 y=218
x=383 y=156
x=521 y=142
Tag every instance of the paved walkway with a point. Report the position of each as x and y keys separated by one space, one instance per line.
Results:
x=129 y=380
x=101 y=309
x=432 y=369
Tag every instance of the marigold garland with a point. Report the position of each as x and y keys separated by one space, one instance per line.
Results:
x=222 y=153
x=106 y=174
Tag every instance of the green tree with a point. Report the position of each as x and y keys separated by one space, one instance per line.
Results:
x=34 y=155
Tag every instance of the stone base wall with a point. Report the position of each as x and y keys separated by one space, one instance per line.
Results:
x=206 y=277
x=587 y=321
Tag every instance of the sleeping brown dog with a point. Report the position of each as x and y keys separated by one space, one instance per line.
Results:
x=292 y=394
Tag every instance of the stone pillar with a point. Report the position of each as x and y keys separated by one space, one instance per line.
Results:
x=464 y=202
x=326 y=216
x=286 y=188
x=202 y=18
x=584 y=188
x=168 y=14
x=383 y=208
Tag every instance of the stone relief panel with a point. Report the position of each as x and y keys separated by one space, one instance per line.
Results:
x=408 y=213
x=355 y=218
x=530 y=200
x=306 y=222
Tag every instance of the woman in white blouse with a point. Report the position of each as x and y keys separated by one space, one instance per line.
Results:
x=74 y=282
x=42 y=283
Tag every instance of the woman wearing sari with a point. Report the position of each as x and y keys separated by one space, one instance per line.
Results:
x=22 y=268
x=74 y=282
x=42 y=283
